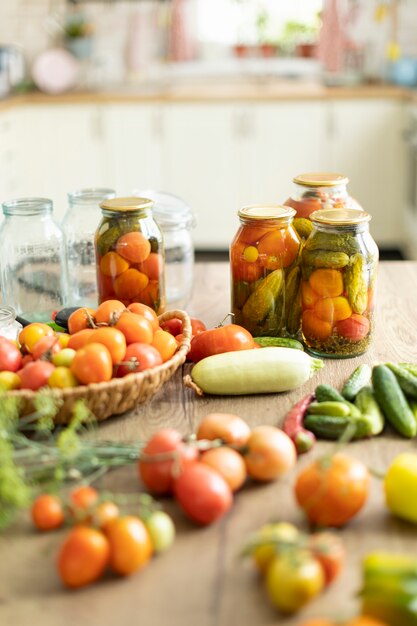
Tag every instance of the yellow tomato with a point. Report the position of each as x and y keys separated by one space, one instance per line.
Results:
x=401 y=486
x=62 y=377
x=269 y=536
x=63 y=339
x=9 y=381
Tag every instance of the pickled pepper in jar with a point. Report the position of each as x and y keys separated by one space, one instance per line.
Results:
x=339 y=264
x=265 y=272
x=129 y=253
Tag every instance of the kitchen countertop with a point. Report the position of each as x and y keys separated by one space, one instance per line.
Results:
x=201 y=580
x=253 y=90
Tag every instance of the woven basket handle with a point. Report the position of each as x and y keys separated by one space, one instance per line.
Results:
x=186 y=328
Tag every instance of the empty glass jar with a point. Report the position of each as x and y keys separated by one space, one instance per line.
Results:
x=9 y=326
x=80 y=224
x=33 y=259
x=176 y=221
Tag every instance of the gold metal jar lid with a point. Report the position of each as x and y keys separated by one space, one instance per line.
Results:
x=322 y=179
x=340 y=217
x=126 y=204
x=267 y=212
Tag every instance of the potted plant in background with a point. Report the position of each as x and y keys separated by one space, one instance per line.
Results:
x=78 y=34
x=266 y=46
x=299 y=39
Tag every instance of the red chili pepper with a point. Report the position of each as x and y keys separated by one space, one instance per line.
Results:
x=302 y=438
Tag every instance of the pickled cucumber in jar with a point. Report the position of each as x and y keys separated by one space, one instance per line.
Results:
x=265 y=272
x=339 y=264
x=129 y=254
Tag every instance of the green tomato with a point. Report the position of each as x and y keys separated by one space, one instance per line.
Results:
x=64 y=357
x=293 y=579
x=401 y=486
x=161 y=530
x=62 y=377
x=9 y=381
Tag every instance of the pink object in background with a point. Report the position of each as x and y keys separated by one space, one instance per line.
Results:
x=181 y=38
x=55 y=71
x=332 y=39
x=141 y=39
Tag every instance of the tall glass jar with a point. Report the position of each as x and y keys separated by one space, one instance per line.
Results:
x=129 y=253
x=33 y=259
x=9 y=326
x=176 y=221
x=316 y=191
x=80 y=224
x=265 y=271
x=339 y=264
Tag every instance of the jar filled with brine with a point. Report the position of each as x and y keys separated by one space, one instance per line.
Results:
x=339 y=264
x=316 y=191
x=265 y=271
x=129 y=253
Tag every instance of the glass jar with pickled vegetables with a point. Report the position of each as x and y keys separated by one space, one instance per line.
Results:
x=265 y=272
x=129 y=253
x=316 y=191
x=339 y=264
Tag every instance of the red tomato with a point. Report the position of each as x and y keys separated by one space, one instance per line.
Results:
x=327 y=548
x=174 y=326
x=92 y=364
x=46 y=348
x=217 y=340
x=333 y=490
x=354 y=328
x=10 y=356
x=228 y=463
x=203 y=493
x=47 y=512
x=270 y=453
x=139 y=357
x=83 y=499
x=83 y=557
x=158 y=476
x=35 y=374
x=130 y=544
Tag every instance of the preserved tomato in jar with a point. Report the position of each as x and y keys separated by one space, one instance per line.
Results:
x=339 y=264
x=129 y=253
x=316 y=191
x=265 y=271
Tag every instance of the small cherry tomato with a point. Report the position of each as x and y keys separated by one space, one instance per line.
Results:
x=62 y=378
x=165 y=343
x=63 y=339
x=158 y=476
x=143 y=309
x=31 y=333
x=45 y=348
x=202 y=493
x=80 y=319
x=83 y=557
x=130 y=544
x=47 y=512
x=218 y=340
x=9 y=381
x=354 y=328
x=92 y=364
x=104 y=513
x=268 y=536
x=139 y=357
x=64 y=357
x=80 y=339
x=10 y=356
x=231 y=429
x=35 y=375
x=136 y=328
x=228 y=463
x=109 y=312
x=329 y=551
x=332 y=490
x=113 y=339
x=83 y=498
x=161 y=530
x=270 y=453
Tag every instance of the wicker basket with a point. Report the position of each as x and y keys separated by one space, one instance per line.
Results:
x=119 y=394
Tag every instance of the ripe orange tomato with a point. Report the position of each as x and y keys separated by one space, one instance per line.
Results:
x=143 y=309
x=217 y=340
x=135 y=328
x=82 y=499
x=35 y=374
x=130 y=544
x=134 y=247
x=152 y=266
x=31 y=333
x=80 y=319
x=278 y=248
x=108 y=312
x=113 y=339
x=228 y=463
x=83 y=557
x=47 y=512
x=270 y=453
x=92 y=364
x=158 y=476
x=332 y=490
x=231 y=429
x=46 y=346
x=104 y=513
x=139 y=357
x=329 y=551
x=202 y=493
x=165 y=343
x=80 y=339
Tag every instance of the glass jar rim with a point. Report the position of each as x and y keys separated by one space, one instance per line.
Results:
x=340 y=217
x=91 y=194
x=279 y=212
x=320 y=179
x=7 y=314
x=27 y=206
x=126 y=205
x=170 y=211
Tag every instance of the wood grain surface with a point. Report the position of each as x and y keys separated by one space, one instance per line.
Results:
x=202 y=581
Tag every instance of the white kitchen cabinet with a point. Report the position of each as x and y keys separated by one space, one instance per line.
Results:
x=134 y=135
x=9 y=174
x=367 y=144
x=61 y=149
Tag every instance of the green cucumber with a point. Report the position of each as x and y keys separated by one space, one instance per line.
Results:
x=410 y=367
x=368 y=406
x=327 y=392
x=329 y=407
x=392 y=401
x=413 y=406
x=406 y=380
x=334 y=426
x=360 y=377
x=280 y=342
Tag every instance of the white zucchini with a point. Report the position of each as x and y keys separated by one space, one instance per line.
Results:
x=269 y=370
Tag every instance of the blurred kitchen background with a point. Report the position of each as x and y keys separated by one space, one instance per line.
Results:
x=221 y=102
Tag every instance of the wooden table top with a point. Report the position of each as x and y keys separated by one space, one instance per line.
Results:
x=201 y=580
